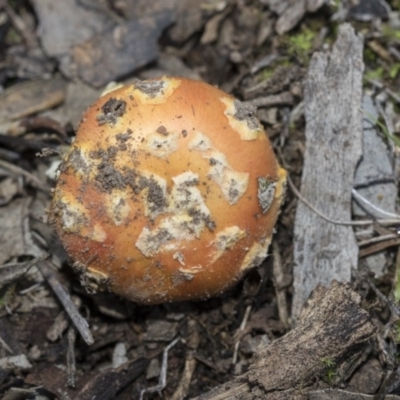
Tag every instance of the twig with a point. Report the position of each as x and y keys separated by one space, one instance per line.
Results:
x=36 y=182
x=5 y=346
x=263 y=63
x=272 y=100
x=71 y=366
x=377 y=247
x=376 y=239
x=20 y=25
x=372 y=208
x=338 y=222
x=380 y=85
x=190 y=363
x=13 y=271
x=394 y=309
x=241 y=329
x=80 y=323
x=162 y=382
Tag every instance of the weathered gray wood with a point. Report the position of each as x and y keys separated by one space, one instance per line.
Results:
x=331 y=329
x=291 y=11
x=333 y=91
x=118 y=51
x=63 y=24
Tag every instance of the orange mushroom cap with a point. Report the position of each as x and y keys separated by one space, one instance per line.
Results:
x=170 y=191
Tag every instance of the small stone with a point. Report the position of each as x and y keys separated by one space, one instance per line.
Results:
x=161 y=331
x=153 y=370
x=119 y=355
x=251 y=344
x=19 y=362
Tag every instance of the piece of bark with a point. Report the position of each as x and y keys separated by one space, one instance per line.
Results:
x=291 y=16
x=368 y=378
x=324 y=251
x=291 y=12
x=64 y=24
x=30 y=97
x=331 y=328
x=108 y=383
x=15 y=235
x=188 y=14
x=114 y=53
x=92 y=42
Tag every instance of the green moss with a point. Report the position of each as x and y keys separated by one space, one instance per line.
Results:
x=369 y=55
x=6 y=295
x=268 y=72
x=300 y=45
x=394 y=71
x=330 y=370
x=13 y=37
x=376 y=74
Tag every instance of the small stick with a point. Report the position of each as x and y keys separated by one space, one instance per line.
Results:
x=365 y=203
x=283 y=98
x=13 y=271
x=5 y=345
x=377 y=239
x=20 y=26
x=36 y=182
x=71 y=365
x=190 y=363
x=336 y=222
x=241 y=329
x=162 y=382
x=80 y=323
x=375 y=248
x=367 y=222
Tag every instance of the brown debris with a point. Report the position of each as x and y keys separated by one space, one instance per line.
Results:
x=332 y=327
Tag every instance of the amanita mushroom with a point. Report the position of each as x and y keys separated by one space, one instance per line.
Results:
x=170 y=192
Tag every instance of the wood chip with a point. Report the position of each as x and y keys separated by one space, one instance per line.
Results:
x=324 y=251
x=63 y=24
x=116 y=52
x=333 y=327
x=31 y=97
x=108 y=383
x=15 y=239
x=291 y=11
x=291 y=16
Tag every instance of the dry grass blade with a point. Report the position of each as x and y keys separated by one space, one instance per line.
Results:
x=80 y=323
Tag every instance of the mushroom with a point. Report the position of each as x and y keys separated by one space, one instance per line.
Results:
x=170 y=192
